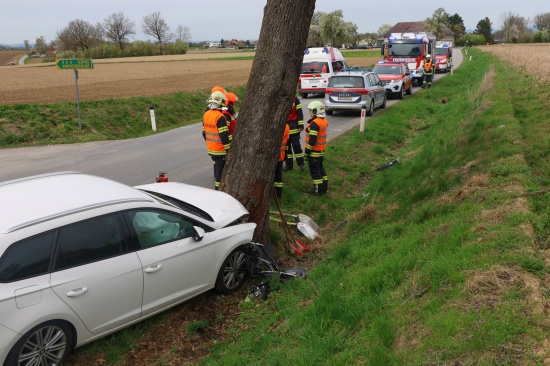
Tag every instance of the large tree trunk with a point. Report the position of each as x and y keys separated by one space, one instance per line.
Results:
x=250 y=166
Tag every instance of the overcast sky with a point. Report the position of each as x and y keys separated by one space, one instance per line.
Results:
x=241 y=19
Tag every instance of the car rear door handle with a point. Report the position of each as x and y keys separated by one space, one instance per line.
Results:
x=77 y=292
x=153 y=268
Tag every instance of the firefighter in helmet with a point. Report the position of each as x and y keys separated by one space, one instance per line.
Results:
x=429 y=68
x=295 y=122
x=216 y=134
x=316 y=144
x=229 y=111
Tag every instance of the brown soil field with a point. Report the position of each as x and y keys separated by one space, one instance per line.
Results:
x=128 y=77
x=10 y=57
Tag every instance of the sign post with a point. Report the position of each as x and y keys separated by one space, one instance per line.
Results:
x=74 y=64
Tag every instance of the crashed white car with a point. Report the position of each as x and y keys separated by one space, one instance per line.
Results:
x=82 y=257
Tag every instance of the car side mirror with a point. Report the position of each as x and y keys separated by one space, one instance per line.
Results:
x=198 y=233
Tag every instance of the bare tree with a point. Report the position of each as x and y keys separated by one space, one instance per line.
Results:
x=117 y=28
x=333 y=28
x=183 y=33
x=40 y=45
x=515 y=27
x=27 y=45
x=542 y=21
x=154 y=25
x=79 y=34
x=249 y=171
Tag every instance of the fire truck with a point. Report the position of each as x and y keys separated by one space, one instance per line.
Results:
x=410 y=48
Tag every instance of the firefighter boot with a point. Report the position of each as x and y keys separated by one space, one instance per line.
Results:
x=317 y=190
x=325 y=186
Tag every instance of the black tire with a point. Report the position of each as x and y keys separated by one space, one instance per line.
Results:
x=401 y=94
x=370 y=111
x=410 y=90
x=304 y=95
x=329 y=112
x=49 y=343
x=233 y=272
x=383 y=106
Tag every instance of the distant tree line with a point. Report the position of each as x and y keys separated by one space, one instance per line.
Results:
x=112 y=37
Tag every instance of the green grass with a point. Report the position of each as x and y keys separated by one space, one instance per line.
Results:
x=424 y=263
x=428 y=266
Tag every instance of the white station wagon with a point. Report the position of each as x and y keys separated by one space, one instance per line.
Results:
x=82 y=257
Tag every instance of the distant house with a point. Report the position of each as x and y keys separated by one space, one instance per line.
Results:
x=417 y=27
x=214 y=44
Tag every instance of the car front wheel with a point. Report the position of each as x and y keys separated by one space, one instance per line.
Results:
x=49 y=343
x=233 y=272
x=401 y=92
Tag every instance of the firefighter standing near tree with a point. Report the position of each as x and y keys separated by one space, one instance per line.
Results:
x=429 y=68
x=216 y=134
x=278 y=183
x=316 y=144
x=229 y=111
x=295 y=122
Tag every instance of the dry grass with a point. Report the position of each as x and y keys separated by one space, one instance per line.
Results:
x=10 y=57
x=532 y=58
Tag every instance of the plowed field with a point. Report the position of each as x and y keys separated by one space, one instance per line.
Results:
x=126 y=77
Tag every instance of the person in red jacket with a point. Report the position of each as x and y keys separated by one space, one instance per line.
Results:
x=295 y=122
x=216 y=134
x=316 y=144
x=278 y=183
x=229 y=111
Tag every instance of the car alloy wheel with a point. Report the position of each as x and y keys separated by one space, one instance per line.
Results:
x=370 y=111
x=46 y=344
x=233 y=272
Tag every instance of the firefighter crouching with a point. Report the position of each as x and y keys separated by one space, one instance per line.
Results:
x=316 y=144
x=216 y=134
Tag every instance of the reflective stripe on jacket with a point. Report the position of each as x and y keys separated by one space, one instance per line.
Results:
x=316 y=136
x=216 y=132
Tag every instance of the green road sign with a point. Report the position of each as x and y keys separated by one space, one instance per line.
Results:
x=74 y=63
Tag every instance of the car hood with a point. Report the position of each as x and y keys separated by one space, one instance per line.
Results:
x=223 y=208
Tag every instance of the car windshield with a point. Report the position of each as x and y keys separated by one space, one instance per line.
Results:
x=387 y=70
x=346 y=82
x=441 y=51
x=315 y=67
x=405 y=49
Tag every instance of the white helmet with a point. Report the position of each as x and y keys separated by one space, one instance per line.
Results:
x=217 y=98
x=316 y=107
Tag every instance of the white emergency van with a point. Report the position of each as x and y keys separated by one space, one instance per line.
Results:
x=319 y=64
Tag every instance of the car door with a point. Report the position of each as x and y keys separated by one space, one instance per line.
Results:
x=95 y=274
x=377 y=90
x=175 y=266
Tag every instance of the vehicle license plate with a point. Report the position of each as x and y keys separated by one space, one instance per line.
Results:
x=344 y=97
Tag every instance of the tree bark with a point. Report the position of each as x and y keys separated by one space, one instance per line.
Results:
x=250 y=165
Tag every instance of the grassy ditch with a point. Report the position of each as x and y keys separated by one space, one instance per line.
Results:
x=439 y=259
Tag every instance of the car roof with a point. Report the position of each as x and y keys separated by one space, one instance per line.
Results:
x=40 y=198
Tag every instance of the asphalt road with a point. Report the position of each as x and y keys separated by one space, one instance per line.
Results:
x=180 y=152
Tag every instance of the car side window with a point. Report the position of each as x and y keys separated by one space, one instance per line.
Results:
x=156 y=227
x=90 y=241
x=27 y=258
x=374 y=79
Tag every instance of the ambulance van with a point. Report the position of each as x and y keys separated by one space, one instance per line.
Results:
x=319 y=64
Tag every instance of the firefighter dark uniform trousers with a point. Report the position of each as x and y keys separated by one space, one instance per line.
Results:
x=218 y=140
x=316 y=143
x=295 y=122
